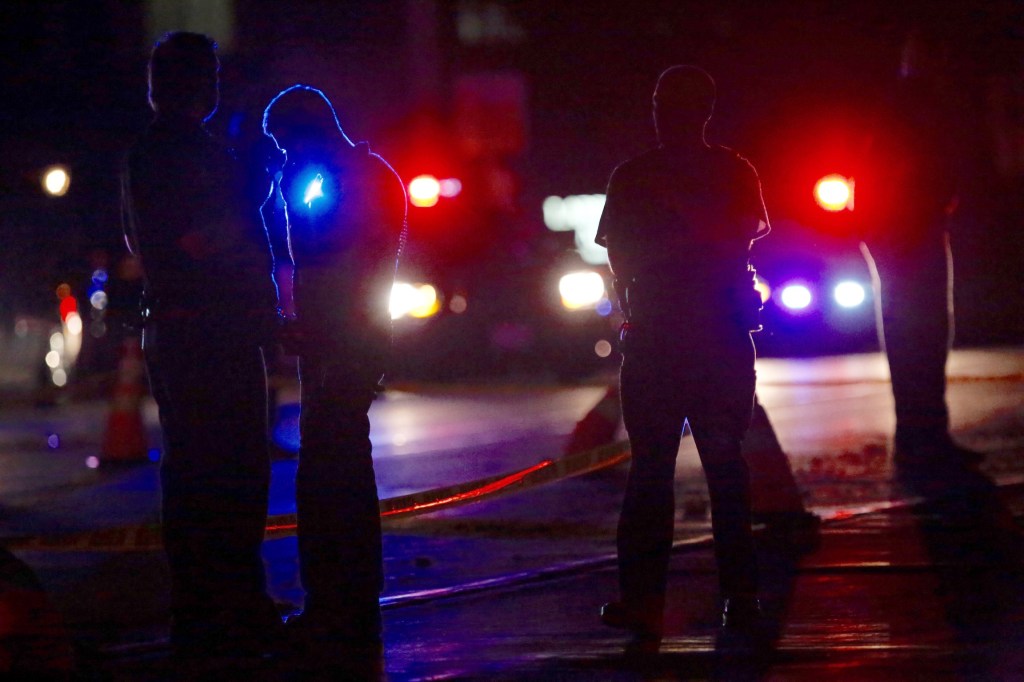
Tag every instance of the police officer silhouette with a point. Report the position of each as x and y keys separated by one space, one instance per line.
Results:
x=346 y=212
x=678 y=223
x=211 y=303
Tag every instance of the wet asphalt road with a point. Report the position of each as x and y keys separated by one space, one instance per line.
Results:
x=851 y=607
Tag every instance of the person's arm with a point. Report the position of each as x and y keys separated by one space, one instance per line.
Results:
x=610 y=234
x=128 y=226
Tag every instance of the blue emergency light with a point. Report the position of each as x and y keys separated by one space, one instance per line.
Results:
x=314 y=190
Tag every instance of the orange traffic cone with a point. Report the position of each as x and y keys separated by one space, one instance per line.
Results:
x=598 y=427
x=125 y=440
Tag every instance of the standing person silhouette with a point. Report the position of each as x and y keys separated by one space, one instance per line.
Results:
x=211 y=303
x=346 y=211
x=905 y=196
x=678 y=223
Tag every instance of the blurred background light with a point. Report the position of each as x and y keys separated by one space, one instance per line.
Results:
x=413 y=300
x=74 y=323
x=98 y=300
x=834 y=192
x=56 y=181
x=458 y=304
x=796 y=296
x=449 y=187
x=580 y=213
x=424 y=191
x=849 y=294
x=583 y=289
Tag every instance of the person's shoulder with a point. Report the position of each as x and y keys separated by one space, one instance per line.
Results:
x=737 y=164
x=730 y=155
x=637 y=166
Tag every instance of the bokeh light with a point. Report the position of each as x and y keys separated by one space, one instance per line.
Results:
x=56 y=181
x=603 y=348
x=424 y=191
x=98 y=300
x=833 y=192
x=583 y=289
x=413 y=300
x=458 y=304
x=796 y=296
x=849 y=294
x=450 y=187
x=74 y=322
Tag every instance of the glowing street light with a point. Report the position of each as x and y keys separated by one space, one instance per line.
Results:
x=834 y=192
x=56 y=181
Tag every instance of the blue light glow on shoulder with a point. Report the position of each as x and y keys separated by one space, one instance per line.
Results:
x=312 y=191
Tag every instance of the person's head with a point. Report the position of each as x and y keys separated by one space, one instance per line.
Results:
x=684 y=100
x=183 y=76
x=301 y=118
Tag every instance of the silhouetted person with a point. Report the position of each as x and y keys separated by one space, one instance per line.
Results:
x=678 y=224
x=346 y=225
x=905 y=195
x=212 y=303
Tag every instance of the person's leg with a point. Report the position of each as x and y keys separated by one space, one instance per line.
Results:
x=646 y=525
x=215 y=477
x=729 y=488
x=338 y=509
x=718 y=410
x=914 y=311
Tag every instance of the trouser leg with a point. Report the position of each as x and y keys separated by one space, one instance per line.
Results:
x=646 y=524
x=215 y=477
x=914 y=313
x=729 y=489
x=338 y=508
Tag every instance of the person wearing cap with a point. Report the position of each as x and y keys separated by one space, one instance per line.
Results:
x=678 y=223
